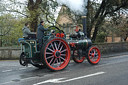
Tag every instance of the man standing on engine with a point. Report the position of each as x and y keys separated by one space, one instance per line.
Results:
x=40 y=33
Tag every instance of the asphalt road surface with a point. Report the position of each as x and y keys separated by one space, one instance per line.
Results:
x=110 y=71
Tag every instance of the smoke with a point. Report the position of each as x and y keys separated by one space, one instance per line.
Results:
x=77 y=6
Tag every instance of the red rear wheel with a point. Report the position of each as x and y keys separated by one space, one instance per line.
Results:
x=77 y=57
x=56 y=54
x=94 y=55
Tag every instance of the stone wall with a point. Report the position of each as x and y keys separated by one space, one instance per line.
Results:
x=9 y=53
x=105 y=48
x=108 y=48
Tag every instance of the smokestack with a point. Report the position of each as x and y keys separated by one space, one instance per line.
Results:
x=84 y=26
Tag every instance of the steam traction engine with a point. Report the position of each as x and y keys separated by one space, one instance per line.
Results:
x=57 y=50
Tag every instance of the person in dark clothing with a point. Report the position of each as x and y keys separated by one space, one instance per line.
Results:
x=26 y=30
x=40 y=33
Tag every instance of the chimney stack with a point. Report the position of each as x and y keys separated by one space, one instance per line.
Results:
x=84 y=26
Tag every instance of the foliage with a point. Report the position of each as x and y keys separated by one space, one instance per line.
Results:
x=121 y=23
x=15 y=13
x=101 y=37
x=115 y=26
x=97 y=13
x=107 y=8
x=33 y=10
x=11 y=29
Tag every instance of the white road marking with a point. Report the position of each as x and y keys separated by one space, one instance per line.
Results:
x=22 y=68
x=6 y=70
x=7 y=83
x=61 y=80
x=120 y=56
x=29 y=78
x=12 y=70
x=30 y=66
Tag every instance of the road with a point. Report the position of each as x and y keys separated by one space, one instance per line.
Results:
x=110 y=71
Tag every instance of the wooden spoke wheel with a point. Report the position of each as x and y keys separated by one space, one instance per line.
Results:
x=56 y=54
x=22 y=59
x=77 y=57
x=94 y=55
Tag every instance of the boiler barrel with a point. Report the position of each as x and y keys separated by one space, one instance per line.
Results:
x=80 y=44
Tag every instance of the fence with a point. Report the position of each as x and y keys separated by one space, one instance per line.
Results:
x=105 y=48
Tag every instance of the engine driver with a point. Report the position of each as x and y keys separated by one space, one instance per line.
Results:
x=40 y=33
x=78 y=33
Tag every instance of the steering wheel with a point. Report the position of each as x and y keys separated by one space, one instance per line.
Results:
x=56 y=29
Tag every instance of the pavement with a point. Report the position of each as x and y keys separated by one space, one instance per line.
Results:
x=110 y=71
x=114 y=54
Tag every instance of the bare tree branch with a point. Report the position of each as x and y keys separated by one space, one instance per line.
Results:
x=17 y=12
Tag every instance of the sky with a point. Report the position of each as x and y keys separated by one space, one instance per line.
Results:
x=76 y=6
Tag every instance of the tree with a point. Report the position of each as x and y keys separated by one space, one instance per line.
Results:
x=97 y=12
x=115 y=26
x=106 y=8
x=121 y=24
x=10 y=29
x=34 y=13
x=33 y=10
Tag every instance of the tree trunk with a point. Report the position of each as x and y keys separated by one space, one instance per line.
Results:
x=33 y=9
x=33 y=21
x=88 y=19
x=95 y=33
x=97 y=26
x=125 y=38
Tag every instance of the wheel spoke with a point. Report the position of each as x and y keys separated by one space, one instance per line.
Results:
x=59 y=45
x=54 y=61
x=50 y=49
x=90 y=54
x=63 y=54
x=48 y=53
x=50 y=57
x=94 y=51
x=60 y=61
x=57 y=62
x=96 y=54
x=62 y=58
x=55 y=46
x=91 y=57
x=51 y=61
x=63 y=50
x=75 y=53
x=52 y=46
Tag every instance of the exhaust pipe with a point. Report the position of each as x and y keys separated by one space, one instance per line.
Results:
x=84 y=26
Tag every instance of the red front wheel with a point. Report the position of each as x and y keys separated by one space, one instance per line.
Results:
x=94 y=55
x=56 y=54
x=77 y=56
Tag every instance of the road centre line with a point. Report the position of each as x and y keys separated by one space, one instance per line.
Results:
x=6 y=83
x=15 y=70
x=6 y=71
x=61 y=80
x=12 y=70
x=22 y=68
x=119 y=56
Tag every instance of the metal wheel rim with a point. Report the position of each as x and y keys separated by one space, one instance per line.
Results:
x=77 y=57
x=54 y=47
x=94 y=55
